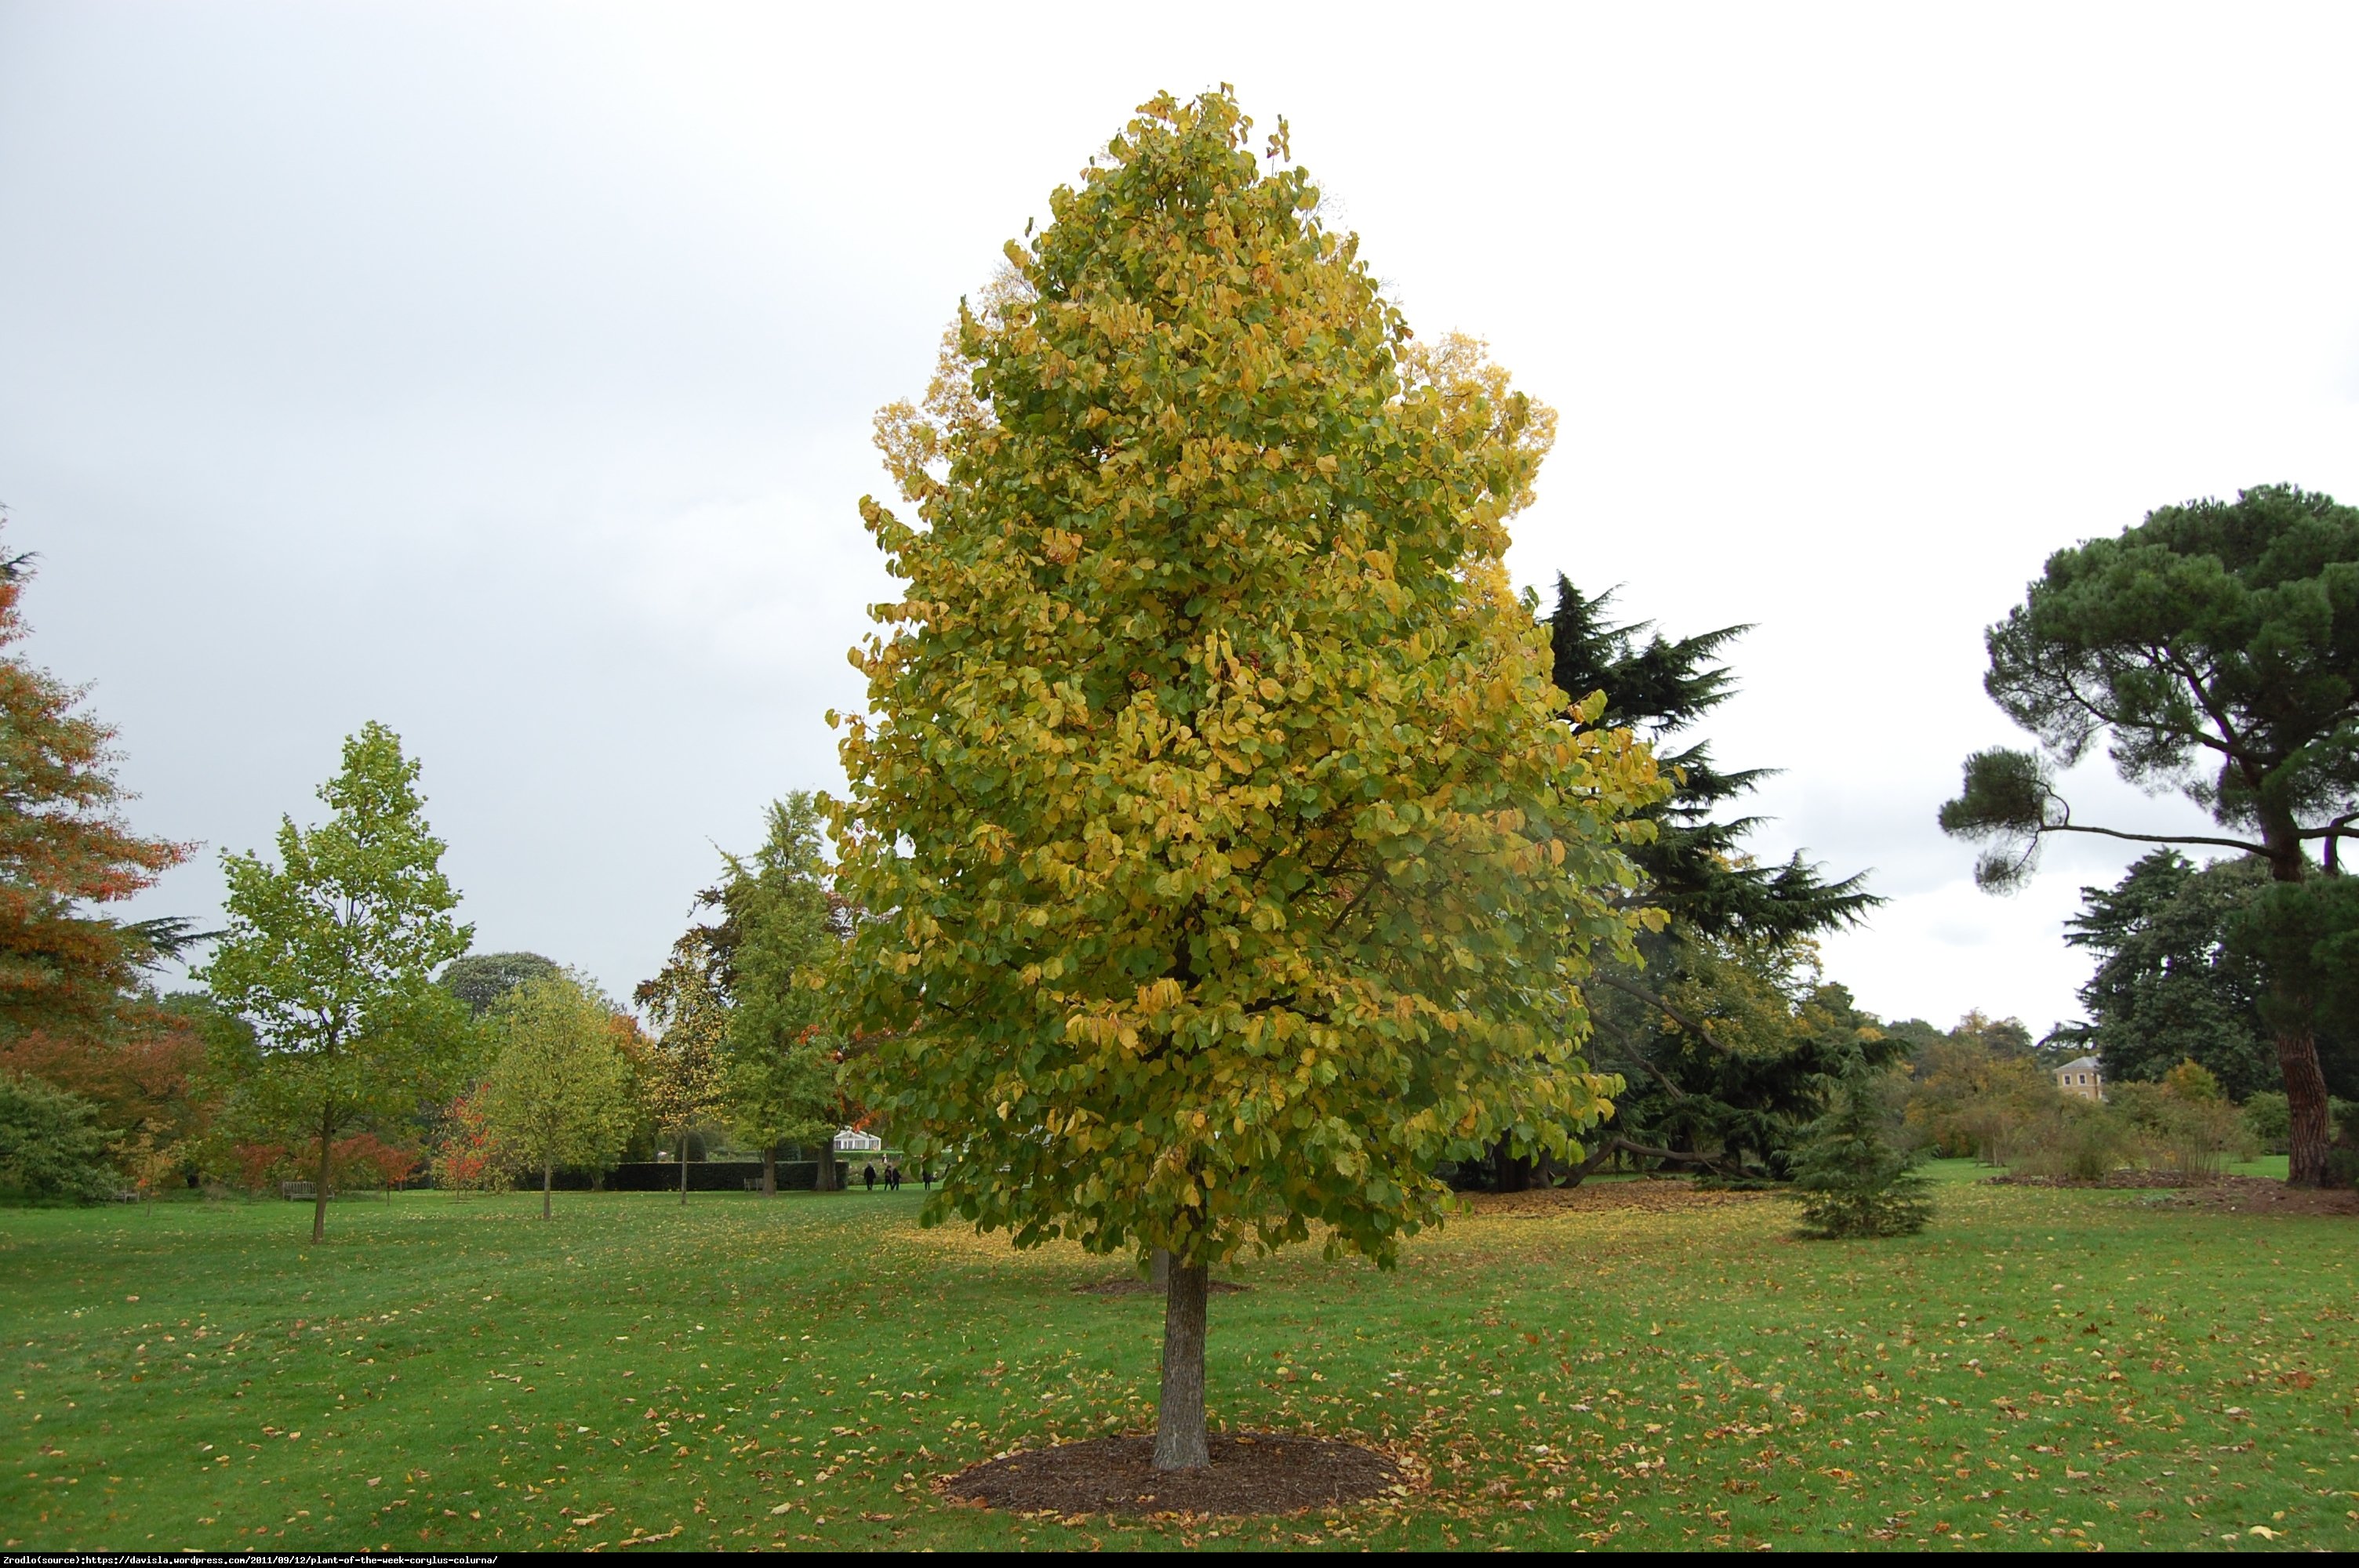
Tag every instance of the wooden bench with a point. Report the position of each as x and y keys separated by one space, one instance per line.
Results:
x=298 y=1192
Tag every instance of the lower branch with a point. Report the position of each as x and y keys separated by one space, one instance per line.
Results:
x=1652 y=1000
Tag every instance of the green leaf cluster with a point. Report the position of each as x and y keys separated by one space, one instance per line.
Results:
x=1229 y=863
x=49 y=1144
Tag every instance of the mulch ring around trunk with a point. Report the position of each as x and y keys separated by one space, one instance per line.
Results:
x=1251 y=1473
x=1132 y=1285
x=2225 y=1194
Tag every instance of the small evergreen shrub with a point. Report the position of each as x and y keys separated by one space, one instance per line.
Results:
x=1852 y=1173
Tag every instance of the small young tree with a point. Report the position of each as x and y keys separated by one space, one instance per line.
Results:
x=1231 y=862
x=681 y=1075
x=1853 y=1174
x=469 y=1159
x=560 y=1091
x=330 y=955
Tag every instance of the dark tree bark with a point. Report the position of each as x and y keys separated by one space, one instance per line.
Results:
x=683 y=1170
x=2307 y=1138
x=547 y=1171
x=1179 y=1442
x=769 y=1169
x=319 y=1188
x=2305 y=1084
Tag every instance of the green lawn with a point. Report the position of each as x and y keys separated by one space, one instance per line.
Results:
x=2041 y=1368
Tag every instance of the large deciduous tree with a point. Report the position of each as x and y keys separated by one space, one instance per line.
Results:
x=1229 y=864
x=2215 y=648
x=560 y=1088
x=330 y=956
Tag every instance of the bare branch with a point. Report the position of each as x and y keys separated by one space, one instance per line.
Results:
x=2155 y=837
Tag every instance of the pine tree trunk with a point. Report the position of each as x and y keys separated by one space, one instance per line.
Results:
x=769 y=1169
x=1179 y=1417
x=547 y=1171
x=683 y=1170
x=2305 y=1082
x=319 y=1188
x=2305 y=1088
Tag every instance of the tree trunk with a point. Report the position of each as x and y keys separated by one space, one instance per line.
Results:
x=1159 y=1270
x=547 y=1171
x=683 y=1170
x=1179 y=1416
x=769 y=1169
x=2305 y=1088
x=319 y=1188
x=824 y=1180
x=2305 y=1082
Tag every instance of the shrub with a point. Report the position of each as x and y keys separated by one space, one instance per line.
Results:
x=2180 y=1132
x=2191 y=1082
x=48 y=1148
x=2342 y=1156
x=2076 y=1139
x=1855 y=1178
x=2268 y=1121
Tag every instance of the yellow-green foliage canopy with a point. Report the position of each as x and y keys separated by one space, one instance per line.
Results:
x=559 y=1090
x=1228 y=859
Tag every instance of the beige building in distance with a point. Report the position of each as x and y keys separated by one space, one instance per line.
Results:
x=2080 y=1076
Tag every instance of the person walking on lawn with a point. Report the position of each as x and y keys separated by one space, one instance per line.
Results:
x=868 y=1175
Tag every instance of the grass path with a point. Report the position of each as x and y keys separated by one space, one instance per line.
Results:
x=2043 y=1368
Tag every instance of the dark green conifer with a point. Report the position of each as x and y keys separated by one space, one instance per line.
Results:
x=1852 y=1177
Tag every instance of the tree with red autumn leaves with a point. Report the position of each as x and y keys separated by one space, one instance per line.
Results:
x=65 y=968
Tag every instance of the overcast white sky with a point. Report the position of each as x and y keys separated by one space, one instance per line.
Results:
x=503 y=372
